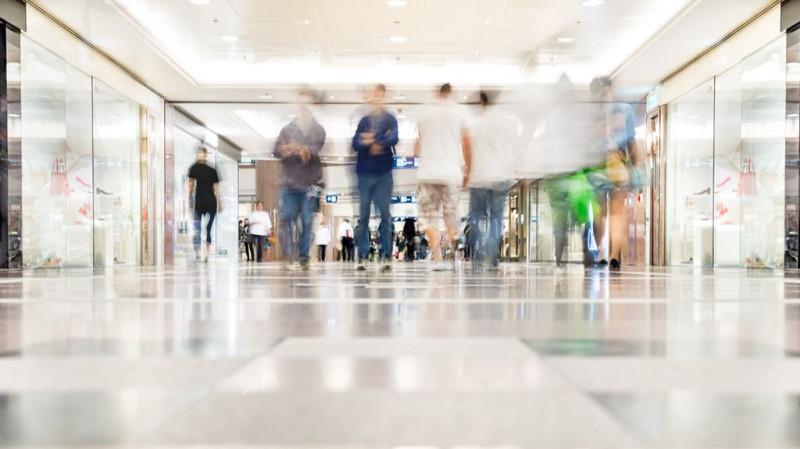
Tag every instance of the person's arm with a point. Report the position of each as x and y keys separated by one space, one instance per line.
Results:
x=283 y=148
x=358 y=140
x=391 y=136
x=191 y=190
x=466 y=148
x=269 y=223
x=217 y=192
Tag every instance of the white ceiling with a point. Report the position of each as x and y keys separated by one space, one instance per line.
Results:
x=341 y=43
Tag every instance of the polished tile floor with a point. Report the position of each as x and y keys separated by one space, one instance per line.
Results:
x=532 y=356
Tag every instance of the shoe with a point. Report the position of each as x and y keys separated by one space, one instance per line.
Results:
x=360 y=266
x=288 y=266
x=304 y=265
x=603 y=262
x=614 y=265
x=386 y=267
x=205 y=259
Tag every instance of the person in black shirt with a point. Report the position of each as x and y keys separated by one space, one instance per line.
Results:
x=204 y=198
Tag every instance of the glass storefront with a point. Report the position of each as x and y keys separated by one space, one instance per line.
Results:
x=57 y=180
x=80 y=167
x=725 y=166
x=117 y=178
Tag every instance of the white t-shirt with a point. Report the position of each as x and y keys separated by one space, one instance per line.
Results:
x=441 y=157
x=494 y=137
x=260 y=224
x=345 y=230
x=323 y=236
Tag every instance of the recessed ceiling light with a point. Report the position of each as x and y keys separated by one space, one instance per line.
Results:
x=397 y=3
x=400 y=97
x=267 y=96
x=305 y=22
x=593 y=2
x=230 y=38
x=566 y=40
x=466 y=97
x=200 y=2
x=398 y=39
x=331 y=97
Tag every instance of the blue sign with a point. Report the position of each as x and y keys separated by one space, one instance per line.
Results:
x=401 y=162
x=404 y=199
x=331 y=199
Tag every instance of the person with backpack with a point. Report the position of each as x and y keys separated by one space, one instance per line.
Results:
x=374 y=142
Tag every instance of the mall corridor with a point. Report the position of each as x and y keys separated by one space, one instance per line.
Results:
x=400 y=224
x=526 y=357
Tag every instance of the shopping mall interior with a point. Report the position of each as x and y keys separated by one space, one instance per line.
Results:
x=618 y=269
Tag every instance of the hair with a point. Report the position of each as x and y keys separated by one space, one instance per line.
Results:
x=446 y=89
x=259 y=202
x=380 y=87
x=599 y=84
x=485 y=98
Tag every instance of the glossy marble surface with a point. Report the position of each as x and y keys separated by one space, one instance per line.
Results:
x=256 y=356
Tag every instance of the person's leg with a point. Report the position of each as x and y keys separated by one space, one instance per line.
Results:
x=382 y=196
x=209 y=228
x=477 y=211
x=197 y=220
x=248 y=248
x=618 y=234
x=365 y=189
x=289 y=209
x=497 y=207
x=428 y=199
x=306 y=221
x=259 y=248
x=556 y=191
x=449 y=203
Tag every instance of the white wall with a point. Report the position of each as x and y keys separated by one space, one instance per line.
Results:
x=759 y=33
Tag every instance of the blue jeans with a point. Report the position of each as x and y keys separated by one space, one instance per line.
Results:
x=375 y=189
x=487 y=204
x=296 y=203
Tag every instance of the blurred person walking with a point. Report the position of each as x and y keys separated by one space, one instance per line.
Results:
x=260 y=227
x=298 y=148
x=409 y=234
x=346 y=238
x=323 y=239
x=205 y=200
x=247 y=240
x=445 y=152
x=494 y=135
x=374 y=142
x=622 y=168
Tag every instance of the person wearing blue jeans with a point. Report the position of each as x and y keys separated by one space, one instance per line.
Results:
x=298 y=148
x=487 y=204
x=494 y=135
x=374 y=142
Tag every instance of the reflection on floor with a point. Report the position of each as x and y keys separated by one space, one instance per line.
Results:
x=532 y=356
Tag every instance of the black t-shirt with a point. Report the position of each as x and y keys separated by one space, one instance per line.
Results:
x=205 y=177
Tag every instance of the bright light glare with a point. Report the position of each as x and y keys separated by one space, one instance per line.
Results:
x=398 y=39
x=200 y=2
x=397 y=3
x=566 y=40
x=230 y=38
x=593 y=2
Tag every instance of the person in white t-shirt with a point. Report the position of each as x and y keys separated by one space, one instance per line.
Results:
x=445 y=157
x=346 y=237
x=494 y=135
x=323 y=239
x=260 y=227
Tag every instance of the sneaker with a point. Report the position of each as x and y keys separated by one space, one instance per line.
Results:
x=442 y=266
x=304 y=265
x=614 y=265
x=360 y=266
